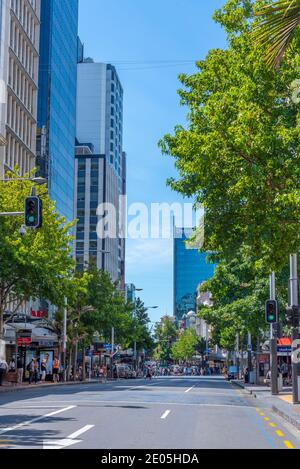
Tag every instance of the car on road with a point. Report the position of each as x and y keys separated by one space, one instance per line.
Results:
x=232 y=373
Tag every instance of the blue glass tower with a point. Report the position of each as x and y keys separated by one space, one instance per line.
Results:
x=190 y=269
x=57 y=100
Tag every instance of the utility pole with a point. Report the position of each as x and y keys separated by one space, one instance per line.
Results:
x=273 y=343
x=294 y=300
x=135 y=357
x=237 y=353
x=249 y=353
x=112 y=350
x=65 y=339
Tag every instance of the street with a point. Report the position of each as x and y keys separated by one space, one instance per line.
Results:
x=167 y=412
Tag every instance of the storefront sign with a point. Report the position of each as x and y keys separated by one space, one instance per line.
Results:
x=24 y=341
x=39 y=314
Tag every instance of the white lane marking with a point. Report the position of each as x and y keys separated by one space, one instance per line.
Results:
x=36 y=419
x=165 y=414
x=80 y=432
x=188 y=390
x=90 y=401
x=69 y=441
x=59 y=444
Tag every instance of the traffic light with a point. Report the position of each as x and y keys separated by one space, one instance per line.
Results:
x=292 y=315
x=33 y=212
x=271 y=311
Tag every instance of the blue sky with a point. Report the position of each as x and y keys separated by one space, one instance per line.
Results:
x=148 y=34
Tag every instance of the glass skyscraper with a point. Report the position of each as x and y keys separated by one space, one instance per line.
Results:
x=57 y=100
x=190 y=269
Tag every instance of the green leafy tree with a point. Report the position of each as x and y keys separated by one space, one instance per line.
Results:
x=165 y=334
x=239 y=155
x=185 y=347
x=239 y=289
x=36 y=265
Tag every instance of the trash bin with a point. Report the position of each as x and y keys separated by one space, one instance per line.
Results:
x=280 y=383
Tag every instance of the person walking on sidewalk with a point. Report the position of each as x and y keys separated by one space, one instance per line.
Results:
x=3 y=370
x=36 y=371
x=56 y=366
x=30 y=369
x=20 y=369
x=44 y=370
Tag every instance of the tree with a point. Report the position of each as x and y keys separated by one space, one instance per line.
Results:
x=239 y=289
x=239 y=156
x=36 y=265
x=186 y=345
x=275 y=30
x=165 y=334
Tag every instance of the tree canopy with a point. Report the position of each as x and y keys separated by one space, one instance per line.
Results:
x=239 y=154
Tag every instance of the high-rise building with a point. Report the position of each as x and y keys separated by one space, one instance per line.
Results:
x=100 y=172
x=57 y=100
x=19 y=54
x=190 y=269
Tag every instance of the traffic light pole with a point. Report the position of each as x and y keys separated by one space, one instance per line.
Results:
x=294 y=300
x=273 y=343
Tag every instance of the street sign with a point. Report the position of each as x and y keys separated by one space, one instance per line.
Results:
x=249 y=348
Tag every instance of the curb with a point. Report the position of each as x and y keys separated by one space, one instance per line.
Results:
x=240 y=385
x=287 y=417
x=42 y=386
x=293 y=421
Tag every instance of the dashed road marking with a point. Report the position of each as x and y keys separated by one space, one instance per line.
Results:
x=188 y=390
x=165 y=414
x=273 y=425
x=288 y=444
x=279 y=433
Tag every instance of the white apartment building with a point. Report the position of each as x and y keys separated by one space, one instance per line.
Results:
x=19 y=57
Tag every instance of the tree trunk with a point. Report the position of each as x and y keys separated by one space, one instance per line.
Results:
x=1 y=322
x=75 y=358
x=69 y=364
x=83 y=364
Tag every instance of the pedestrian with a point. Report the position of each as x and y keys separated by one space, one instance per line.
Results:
x=20 y=369
x=12 y=365
x=44 y=370
x=3 y=370
x=30 y=369
x=36 y=371
x=149 y=373
x=56 y=366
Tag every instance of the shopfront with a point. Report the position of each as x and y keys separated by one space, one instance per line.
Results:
x=28 y=342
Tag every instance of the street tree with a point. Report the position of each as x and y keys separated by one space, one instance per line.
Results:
x=239 y=154
x=239 y=290
x=165 y=335
x=185 y=347
x=37 y=264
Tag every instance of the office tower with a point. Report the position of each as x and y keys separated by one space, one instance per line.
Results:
x=57 y=100
x=190 y=269
x=100 y=167
x=19 y=53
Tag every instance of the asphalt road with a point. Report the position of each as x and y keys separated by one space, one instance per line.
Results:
x=165 y=413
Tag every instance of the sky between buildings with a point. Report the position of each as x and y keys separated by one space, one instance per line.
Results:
x=150 y=43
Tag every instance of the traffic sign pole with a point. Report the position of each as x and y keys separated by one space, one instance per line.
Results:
x=273 y=342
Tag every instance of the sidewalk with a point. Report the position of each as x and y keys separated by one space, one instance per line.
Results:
x=281 y=404
x=8 y=387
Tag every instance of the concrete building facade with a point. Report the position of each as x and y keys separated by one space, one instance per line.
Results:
x=19 y=60
x=100 y=167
